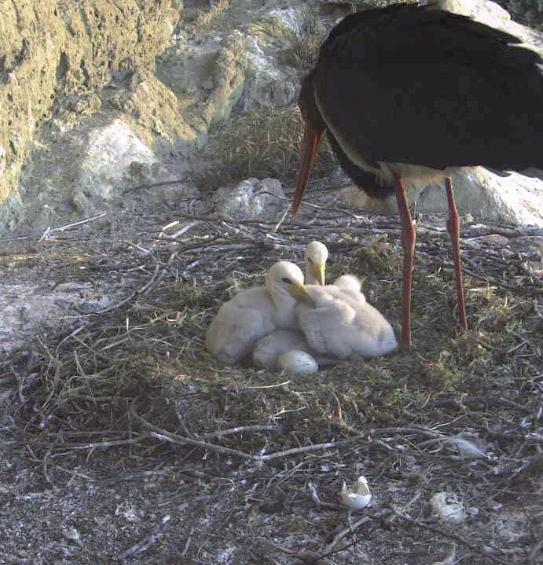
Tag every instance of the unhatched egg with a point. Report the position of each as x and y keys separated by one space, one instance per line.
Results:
x=297 y=363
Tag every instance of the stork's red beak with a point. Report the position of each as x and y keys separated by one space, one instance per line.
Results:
x=310 y=146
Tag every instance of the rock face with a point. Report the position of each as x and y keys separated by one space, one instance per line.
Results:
x=155 y=75
x=515 y=199
x=114 y=157
x=100 y=97
x=251 y=199
x=67 y=49
x=272 y=81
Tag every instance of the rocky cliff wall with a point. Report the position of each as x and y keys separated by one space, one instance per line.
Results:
x=51 y=50
x=100 y=100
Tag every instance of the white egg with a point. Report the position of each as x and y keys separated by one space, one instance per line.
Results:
x=297 y=362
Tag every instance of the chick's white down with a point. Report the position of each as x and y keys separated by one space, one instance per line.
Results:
x=351 y=283
x=272 y=321
x=256 y=312
x=341 y=323
x=269 y=348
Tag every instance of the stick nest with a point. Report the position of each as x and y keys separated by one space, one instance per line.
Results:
x=135 y=377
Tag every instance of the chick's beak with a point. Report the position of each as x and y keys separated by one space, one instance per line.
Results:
x=318 y=272
x=300 y=291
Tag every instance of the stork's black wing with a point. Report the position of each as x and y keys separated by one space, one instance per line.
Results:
x=427 y=87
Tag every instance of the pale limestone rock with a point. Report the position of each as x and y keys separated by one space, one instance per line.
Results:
x=251 y=199
x=514 y=199
x=267 y=85
x=66 y=48
x=2 y=160
x=270 y=80
x=101 y=165
x=114 y=158
x=28 y=309
x=484 y=11
x=206 y=75
x=493 y=15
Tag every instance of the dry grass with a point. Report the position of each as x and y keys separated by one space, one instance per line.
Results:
x=207 y=18
x=304 y=44
x=263 y=143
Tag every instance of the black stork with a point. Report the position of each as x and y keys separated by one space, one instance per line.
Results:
x=408 y=93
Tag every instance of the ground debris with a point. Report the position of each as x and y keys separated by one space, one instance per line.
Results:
x=126 y=397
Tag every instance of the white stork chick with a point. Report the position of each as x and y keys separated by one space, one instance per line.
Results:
x=255 y=312
x=341 y=323
x=316 y=255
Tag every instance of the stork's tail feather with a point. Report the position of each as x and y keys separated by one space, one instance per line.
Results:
x=498 y=172
x=533 y=172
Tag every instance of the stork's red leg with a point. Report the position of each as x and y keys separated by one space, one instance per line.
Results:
x=409 y=237
x=453 y=227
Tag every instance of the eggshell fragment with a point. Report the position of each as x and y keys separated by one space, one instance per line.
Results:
x=448 y=508
x=356 y=497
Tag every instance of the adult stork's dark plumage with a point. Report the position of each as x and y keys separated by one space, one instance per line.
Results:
x=406 y=94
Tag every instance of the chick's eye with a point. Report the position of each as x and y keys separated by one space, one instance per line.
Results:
x=286 y=280
x=310 y=261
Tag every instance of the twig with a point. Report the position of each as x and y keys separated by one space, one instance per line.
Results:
x=450 y=535
x=187 y=544
x=152 y=281
x=305 y=449
x=536 y=548
x=239 y=430
x=50 y=230
x=180 y=231
x=349 y=530
x=316 y=206
x=362 y=437
x=281 y=220
x=275 y=385
x=163 y=435
x=103 y=444
x=180 y=440
x=153 y=185
x=317 y=500
x=147 y=541
x=305 y=556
